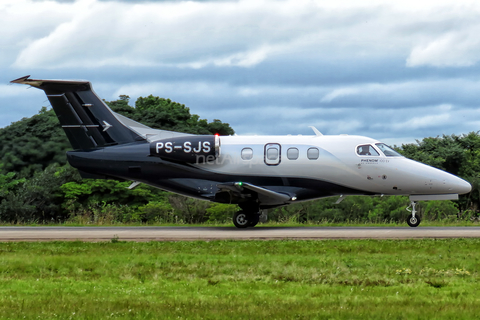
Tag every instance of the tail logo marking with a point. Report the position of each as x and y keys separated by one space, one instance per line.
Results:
x=106 y=126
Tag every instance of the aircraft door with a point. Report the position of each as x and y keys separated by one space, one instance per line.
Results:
x=272 y=154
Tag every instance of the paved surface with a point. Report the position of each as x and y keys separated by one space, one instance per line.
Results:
x=214 y=233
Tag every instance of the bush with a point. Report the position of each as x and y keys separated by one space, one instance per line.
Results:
x=220 y=212
x=156 y=212
x=102 y=214
x=188 y=210
x=439 y=210
x=38 y=198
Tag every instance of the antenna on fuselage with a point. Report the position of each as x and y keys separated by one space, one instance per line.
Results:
x=317 y=133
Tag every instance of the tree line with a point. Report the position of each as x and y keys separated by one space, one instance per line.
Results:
x=37 y=185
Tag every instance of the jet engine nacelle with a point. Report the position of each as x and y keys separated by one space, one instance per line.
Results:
x=190 y=149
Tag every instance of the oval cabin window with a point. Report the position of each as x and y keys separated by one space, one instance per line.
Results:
x=247 y=153
x=292 y=153
x=272 y=153
x=313 y=153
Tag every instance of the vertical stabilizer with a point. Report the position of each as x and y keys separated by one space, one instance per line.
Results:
x=88 y=122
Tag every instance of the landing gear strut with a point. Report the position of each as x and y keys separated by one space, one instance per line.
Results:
x=413 y=220
x=244 y=219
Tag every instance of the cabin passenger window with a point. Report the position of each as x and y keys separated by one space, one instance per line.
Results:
x=389 y=152
x=247 y=153
x=292 y=153
x=272 y=153
x=367 y=150
x=313 y=153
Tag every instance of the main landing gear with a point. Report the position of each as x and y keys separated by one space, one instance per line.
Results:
x=413 y=220
x=245 y=219
x=249 y=216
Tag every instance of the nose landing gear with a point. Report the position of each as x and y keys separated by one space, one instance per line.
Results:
x=413 y=220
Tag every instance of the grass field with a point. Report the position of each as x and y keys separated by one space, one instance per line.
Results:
x=333 y=279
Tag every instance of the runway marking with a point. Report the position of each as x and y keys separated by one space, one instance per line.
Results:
x=229 y=233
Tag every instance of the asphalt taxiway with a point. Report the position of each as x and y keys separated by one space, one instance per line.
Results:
x=225 y=233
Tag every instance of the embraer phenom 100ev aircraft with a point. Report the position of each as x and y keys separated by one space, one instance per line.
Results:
x=255 y=172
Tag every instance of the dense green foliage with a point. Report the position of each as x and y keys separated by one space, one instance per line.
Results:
x=367 y=209
x=334 y=279
x=32 y=144
x=37 y=185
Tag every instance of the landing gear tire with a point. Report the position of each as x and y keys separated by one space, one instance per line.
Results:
x=241 y=220
x=413 y=221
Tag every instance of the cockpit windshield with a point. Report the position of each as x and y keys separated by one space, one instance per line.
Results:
x=387 y=151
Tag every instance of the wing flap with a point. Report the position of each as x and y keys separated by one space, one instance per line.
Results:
x=265 y=196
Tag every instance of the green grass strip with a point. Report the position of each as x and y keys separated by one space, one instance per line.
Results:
x=334 y=279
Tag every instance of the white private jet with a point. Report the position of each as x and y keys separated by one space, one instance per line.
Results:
x=255 y=172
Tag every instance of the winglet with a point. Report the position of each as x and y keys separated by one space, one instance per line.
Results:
x=20 y=80
x=317 y=133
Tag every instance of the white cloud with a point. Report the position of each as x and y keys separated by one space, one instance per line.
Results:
x=341 y=92
x=423 y=122
x=93 y=33
x=456 y=49
x=185 y=34
x=24 y=22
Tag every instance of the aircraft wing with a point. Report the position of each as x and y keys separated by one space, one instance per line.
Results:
x=265 y=196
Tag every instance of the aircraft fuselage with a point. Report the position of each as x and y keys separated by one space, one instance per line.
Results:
x=305 y=167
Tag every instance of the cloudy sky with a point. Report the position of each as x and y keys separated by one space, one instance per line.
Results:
x=394 y=71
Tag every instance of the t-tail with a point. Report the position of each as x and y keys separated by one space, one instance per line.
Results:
x=88 y=122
